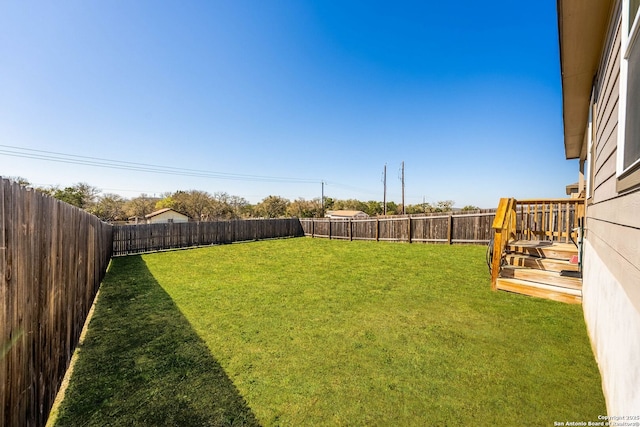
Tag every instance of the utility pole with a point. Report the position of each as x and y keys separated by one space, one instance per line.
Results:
x=403 y=207
x=322 y=198
x=384 y=199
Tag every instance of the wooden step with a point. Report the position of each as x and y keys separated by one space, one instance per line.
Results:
x=556 y=293
x=554 y=250
x=549 y=264
x=565 y=279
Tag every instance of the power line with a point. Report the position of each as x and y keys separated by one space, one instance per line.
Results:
x=53 y=156
x=350 y=187
x=58 y=157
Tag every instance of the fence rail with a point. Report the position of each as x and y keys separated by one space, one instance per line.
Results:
x=448 y=228
x=52 y=259
x=132 y=239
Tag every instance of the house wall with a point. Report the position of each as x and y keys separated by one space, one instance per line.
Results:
x=611 y=276
x=614 y=328
x=166 y=216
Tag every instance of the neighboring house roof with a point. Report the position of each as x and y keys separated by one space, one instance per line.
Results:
x=572 y=188
x=346 y=214
x=161 y=211
x=582 y=26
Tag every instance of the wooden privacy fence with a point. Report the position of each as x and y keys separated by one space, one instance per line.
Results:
x=132 y=239
x=52 y=259
x=448 y=228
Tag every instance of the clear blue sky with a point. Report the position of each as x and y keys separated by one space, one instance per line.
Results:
x=467 y=93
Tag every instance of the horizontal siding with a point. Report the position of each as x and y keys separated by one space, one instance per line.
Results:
x=613 y=223
x=608 y=90
x=624 y=241
x=606 y=167
x=622 y=210
x=604 y=186
x=607 y=137
x=605 y=182
x=607 y=127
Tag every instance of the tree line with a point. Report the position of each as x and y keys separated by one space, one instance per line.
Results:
x=203 y=206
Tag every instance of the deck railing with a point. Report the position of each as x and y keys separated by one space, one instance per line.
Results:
x=556 y=220
x=553 y=220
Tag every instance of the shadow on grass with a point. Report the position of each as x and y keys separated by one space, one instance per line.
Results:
x=142 y=363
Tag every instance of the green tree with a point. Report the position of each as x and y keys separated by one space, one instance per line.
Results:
x=392 y=208
x=328 y=203
x=272 y=207
x=444 y=206
x=414 y=209
x=470 y=208
x=349 y=204
x=81 y=195
x=166 y=201
x=302 y=208
x=373 y=208
x=69 y=195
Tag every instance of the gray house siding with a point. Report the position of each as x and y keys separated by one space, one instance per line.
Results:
x=613 y=219
x=611 y=276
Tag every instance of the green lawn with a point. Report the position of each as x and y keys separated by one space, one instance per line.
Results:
x=317 y=332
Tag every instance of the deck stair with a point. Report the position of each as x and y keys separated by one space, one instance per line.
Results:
x=541 y=269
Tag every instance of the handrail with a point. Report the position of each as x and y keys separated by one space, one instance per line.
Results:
x=533 y=219
x=502 y=233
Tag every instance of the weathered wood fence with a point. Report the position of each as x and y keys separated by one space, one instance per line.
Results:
x=132 y=239
x=52 y=259
x=443 y=228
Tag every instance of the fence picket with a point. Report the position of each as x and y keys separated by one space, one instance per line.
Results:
x=52 y=259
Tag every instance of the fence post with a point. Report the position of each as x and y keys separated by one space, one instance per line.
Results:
x=377 y=229
x=329 y=228
x=409 y=229
x=313 y=227
x=450 y=229
x=350 y=230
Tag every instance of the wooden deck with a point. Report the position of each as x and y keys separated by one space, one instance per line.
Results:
x=541 y=269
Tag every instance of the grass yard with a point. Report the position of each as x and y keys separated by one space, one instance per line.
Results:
x=317 y=332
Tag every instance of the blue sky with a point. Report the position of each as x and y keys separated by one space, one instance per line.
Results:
x=467 y=94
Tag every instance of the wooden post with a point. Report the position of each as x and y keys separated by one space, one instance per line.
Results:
x=450 y=229
x=313 y=227
x=497 y=259
x=409 y=229
x=329 y=228
x=350 y=229
x=377 y=229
